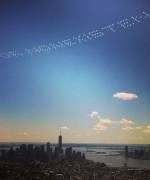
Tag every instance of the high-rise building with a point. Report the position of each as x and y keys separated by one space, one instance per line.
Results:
x=42 y=148
x=48 y=147
x=60 y=141
x=30 y=147
x=23 y=148
x=68 y=152
x=126 y=151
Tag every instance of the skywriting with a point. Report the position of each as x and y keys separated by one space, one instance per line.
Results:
x=74 y=90
x=78 y=66
x=120 y=25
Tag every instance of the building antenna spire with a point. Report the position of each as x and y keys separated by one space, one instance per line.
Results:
x=60 y=131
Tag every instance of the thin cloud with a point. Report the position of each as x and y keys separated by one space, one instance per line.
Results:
x=126 y=122
x=25 y=134
x=128 y=128
x=146 y=129
x=100 y=127
x=65 y=128
x=139 y=127
x=125 y=96
x=107 y=121
x=94 y=114
x=101 y=123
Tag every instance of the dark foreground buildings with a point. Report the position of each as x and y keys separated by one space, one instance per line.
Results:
x=27 y=153
x=29 y=162
x=137 y=153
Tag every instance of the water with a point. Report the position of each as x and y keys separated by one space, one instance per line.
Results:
x=113 y=158
x=111 y=155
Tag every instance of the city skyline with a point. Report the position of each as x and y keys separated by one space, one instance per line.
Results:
x=95 y=92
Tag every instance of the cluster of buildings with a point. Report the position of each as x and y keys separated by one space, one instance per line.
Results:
x=63 y=169
x=30 y=152
x=30 y=162
x=137 y=153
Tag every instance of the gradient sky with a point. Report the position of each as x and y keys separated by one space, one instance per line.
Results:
x=41 y=93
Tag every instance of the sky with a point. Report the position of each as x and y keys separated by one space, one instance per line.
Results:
x=95 y=91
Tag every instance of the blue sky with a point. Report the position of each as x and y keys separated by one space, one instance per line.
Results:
x=41 y=93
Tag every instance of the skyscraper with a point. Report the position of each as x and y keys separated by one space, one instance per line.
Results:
x=126 y=151
x=60 y=140
x=48 y=147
